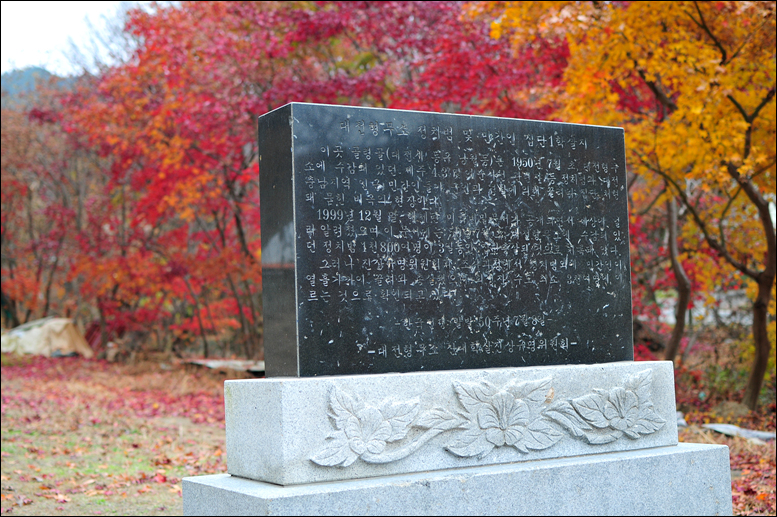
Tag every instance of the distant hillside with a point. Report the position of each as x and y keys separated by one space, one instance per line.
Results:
x=17 y=83
x=21 y=81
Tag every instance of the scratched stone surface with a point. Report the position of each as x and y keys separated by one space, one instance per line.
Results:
x=396 y=241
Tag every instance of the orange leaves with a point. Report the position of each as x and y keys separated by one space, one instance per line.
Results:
x=674 y=77
x=753 y=490
x=22 y=286
x=168 y=227
x=175 y=134
x=693 y=85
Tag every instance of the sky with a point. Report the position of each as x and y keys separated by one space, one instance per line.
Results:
x=39 y=33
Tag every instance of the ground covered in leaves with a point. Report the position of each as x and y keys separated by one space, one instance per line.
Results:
x=92 y=438
x=752 y=470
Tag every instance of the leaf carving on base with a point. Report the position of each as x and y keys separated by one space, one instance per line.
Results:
x=605 y=415
x=364 y=431
x=511 y=416
x=521 y=415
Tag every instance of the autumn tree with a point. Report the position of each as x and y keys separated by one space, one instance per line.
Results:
x=167 y=232
x=45 y=186
x=693 y=84
x=176 y=125
x=430 y=57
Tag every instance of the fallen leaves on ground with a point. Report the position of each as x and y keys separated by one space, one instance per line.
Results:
x=89 y=437
x=753 y=471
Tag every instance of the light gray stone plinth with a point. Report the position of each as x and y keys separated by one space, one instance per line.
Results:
x=687 y=479
x=291 y=431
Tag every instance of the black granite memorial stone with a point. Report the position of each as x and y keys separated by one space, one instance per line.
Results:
x=397 y=241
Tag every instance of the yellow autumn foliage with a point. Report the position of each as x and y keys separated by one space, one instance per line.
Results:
x=706 y=74
x=693 y=85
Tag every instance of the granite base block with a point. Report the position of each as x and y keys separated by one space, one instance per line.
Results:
x=291 y=431
x=686 y=479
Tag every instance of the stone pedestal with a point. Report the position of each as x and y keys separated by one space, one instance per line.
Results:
x=686 y=479
x=579 y=439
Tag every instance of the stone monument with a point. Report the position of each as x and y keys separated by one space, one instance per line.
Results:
x=447 y=312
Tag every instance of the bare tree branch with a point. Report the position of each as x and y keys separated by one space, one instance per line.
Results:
x=655 y=87
x=750 y=118
x=711 y=239
x=703 y=25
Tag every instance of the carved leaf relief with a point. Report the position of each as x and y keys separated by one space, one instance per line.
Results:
x=399 y=416
x=438 y=418
x=604 y=416
x=521 y=415
x=336 y=452
x=510 y=417
x=362 y=430
x=471 y=442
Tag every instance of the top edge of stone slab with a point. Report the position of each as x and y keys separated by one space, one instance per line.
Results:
x=468 y=371
x=463 y=115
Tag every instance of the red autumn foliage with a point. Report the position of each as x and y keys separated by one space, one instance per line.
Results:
x=158 y=235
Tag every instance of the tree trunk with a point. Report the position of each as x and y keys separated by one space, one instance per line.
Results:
x=257 y=348
x=199 y=316
x=243 y=324
x=765 y=280
x=683 y=285
x=47 y=294
x=103 y=330
x=761 y=338
x=9 y=307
